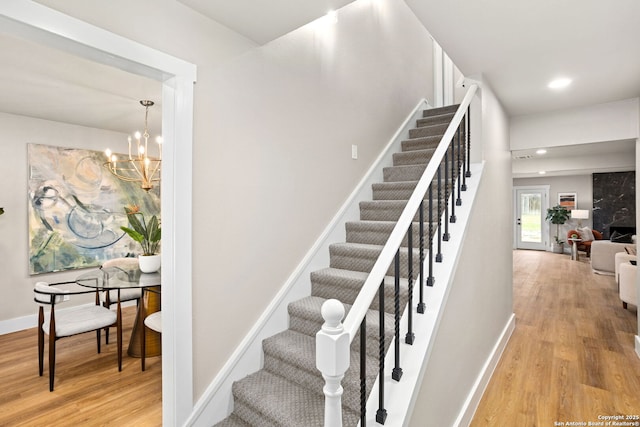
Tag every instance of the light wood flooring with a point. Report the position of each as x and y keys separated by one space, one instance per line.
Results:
x=571 y=357
x=89 y=390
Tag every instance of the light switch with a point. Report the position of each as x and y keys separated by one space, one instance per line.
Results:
x=354 y=151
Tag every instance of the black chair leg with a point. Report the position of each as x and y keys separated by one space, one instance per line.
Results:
x=52 y=361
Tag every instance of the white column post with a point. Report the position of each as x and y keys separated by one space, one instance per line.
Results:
x=332 y=359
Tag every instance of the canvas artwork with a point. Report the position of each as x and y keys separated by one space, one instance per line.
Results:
x=567 y=200
x=76 y=208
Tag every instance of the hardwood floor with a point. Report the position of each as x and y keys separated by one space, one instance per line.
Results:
x=89 y=390
x=571 y=357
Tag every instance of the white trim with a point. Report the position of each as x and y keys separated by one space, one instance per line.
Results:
x=473 y=400
x=45 y=25
x=638 y=345
x=447 y=79
x=438 y=78
x=216 y=402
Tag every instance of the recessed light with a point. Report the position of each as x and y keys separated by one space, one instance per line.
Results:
x=559 y=83
x=542 y=172
x=541 y=151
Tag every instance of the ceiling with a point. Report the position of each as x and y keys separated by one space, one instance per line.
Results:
x=264 y=21
x=46 y=83
x=516 y=46
x=519 y=46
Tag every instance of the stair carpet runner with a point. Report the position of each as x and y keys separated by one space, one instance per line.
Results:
x=287 y=391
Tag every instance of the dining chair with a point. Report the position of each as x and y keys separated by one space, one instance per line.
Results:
x=109 y=298
x=153 y=322
x=68 y=322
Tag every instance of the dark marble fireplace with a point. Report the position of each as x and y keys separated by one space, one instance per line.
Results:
x=614 y=203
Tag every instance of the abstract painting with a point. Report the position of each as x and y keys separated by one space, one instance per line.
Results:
x=567 y=200
x=76 y=208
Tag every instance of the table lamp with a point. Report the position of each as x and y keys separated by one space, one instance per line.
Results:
x=579 y=214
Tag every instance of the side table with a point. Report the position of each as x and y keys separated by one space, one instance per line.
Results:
x=574 y=249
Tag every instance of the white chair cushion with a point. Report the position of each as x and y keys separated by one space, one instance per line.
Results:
x=81 y=319
x=44 y=287
x=125 y=295
x=586 y=234
x=129 y=263
x=154 y=321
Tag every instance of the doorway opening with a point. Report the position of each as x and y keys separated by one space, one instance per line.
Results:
x=531 y=230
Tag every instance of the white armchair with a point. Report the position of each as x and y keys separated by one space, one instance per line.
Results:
x=628 y=286
x=58 y=324
x=621 y=258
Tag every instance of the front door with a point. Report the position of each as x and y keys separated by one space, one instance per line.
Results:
x=531 y=204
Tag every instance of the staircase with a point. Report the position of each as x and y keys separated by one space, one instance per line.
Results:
x=287 y=391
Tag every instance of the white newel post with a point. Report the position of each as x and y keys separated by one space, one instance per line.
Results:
x=332 y=359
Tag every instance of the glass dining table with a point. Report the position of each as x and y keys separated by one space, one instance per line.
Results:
x=127 y=277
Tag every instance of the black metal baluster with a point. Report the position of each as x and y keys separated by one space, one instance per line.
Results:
x=409 y=337
x=430 y=279
x=421 y=284
x=381 y=414
x=458 y=167
x=452 y=188
x=397 y=370
x=439 y=213
x=468 y=174
x=363 y=372
x=465 y=160
x=445 y=237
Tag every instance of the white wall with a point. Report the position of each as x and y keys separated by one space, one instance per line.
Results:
x=580 y=184
x=480 y=303
x=273 y=130
x=285 y=118
x=612 y=121
x=15 y=133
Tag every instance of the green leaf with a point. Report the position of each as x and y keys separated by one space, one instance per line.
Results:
x=138 y=237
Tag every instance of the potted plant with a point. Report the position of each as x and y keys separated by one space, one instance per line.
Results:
x=148 y=234
x=558 y=215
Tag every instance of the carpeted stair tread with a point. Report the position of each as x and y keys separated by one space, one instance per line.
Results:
x=415 y=157
x=434 y=120
x=233 y=421
x=403 y=173
x=400 y=190
x=267 y=399
x=378 y=232
x=360 y=257
x=344 y=285
x=440 y=110
x=306 y=317
x=431 y=130
x=390 y=210
x=295 y=354
x=423 y=143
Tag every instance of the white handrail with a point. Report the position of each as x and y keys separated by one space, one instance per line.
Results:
x=333 y=340
x=379 y=271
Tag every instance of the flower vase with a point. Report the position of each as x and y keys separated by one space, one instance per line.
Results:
x=149 y=263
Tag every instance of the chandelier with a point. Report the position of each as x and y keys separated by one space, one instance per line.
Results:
x=139 y=166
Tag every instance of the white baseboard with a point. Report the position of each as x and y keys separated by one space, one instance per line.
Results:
x=473 y=400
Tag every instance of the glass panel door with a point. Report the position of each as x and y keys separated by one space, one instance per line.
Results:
x=530 y=229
